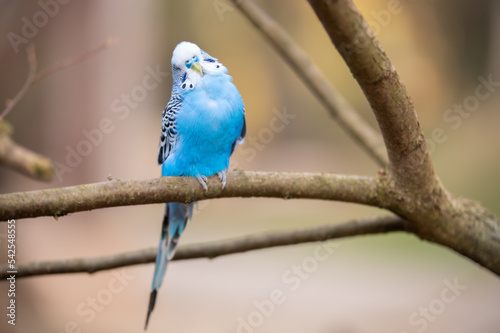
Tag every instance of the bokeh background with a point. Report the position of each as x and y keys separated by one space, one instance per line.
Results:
x=368 y=284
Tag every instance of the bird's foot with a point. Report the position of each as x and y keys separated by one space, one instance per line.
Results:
x=222 y=178
x=203 y=181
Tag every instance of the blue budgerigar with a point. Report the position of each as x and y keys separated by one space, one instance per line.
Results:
x=202 y=124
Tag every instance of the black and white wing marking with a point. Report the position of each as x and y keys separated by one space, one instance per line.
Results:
x=168 y=135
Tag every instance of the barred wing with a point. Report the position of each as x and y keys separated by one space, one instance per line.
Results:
x=168 y=135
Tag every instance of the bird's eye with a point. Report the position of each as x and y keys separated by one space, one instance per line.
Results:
x=218 y=66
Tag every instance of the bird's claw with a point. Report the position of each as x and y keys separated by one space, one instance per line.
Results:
x=203 y=181
x=222 y=178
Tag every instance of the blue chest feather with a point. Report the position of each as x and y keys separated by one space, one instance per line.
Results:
x=208 y=123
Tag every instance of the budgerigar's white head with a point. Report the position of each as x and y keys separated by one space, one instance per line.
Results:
x=190 y=62
x=187 y=57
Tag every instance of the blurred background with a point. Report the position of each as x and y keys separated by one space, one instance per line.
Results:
x=384 y=283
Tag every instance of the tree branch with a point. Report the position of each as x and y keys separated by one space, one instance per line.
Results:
x=61 y=201
x=359 y=130
x=410 y=188
x=32 y=64
x=410 y=161
x=15 y=156
x=356 y=227
x=73 y=60
x=33 y=76
x=418 y=195
x=21 y=159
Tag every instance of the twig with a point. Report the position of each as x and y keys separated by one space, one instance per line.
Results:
x=73 y=60
x=366 y=226
x=61 y=201
x=32 y=63
x=21 y=159
x=16 y=156
x=310 y=74
x=33 y=77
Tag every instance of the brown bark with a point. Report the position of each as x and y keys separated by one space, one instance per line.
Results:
x=61 y=201
x=408 y=187
x=434 y=214
x=365 y=226
x=21 y=159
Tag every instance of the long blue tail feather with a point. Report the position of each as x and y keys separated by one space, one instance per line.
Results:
x=174 y=222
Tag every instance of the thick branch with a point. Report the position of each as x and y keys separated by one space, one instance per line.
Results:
x=365 y=226
x=61 y=201
x=310 y=74
x=418 y=195
x=409 y=158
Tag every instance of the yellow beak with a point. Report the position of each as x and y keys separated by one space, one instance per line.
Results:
x=197 y=68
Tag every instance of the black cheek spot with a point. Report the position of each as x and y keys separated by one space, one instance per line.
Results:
x=191 y=86
x=218 y=66
x=183 y=86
